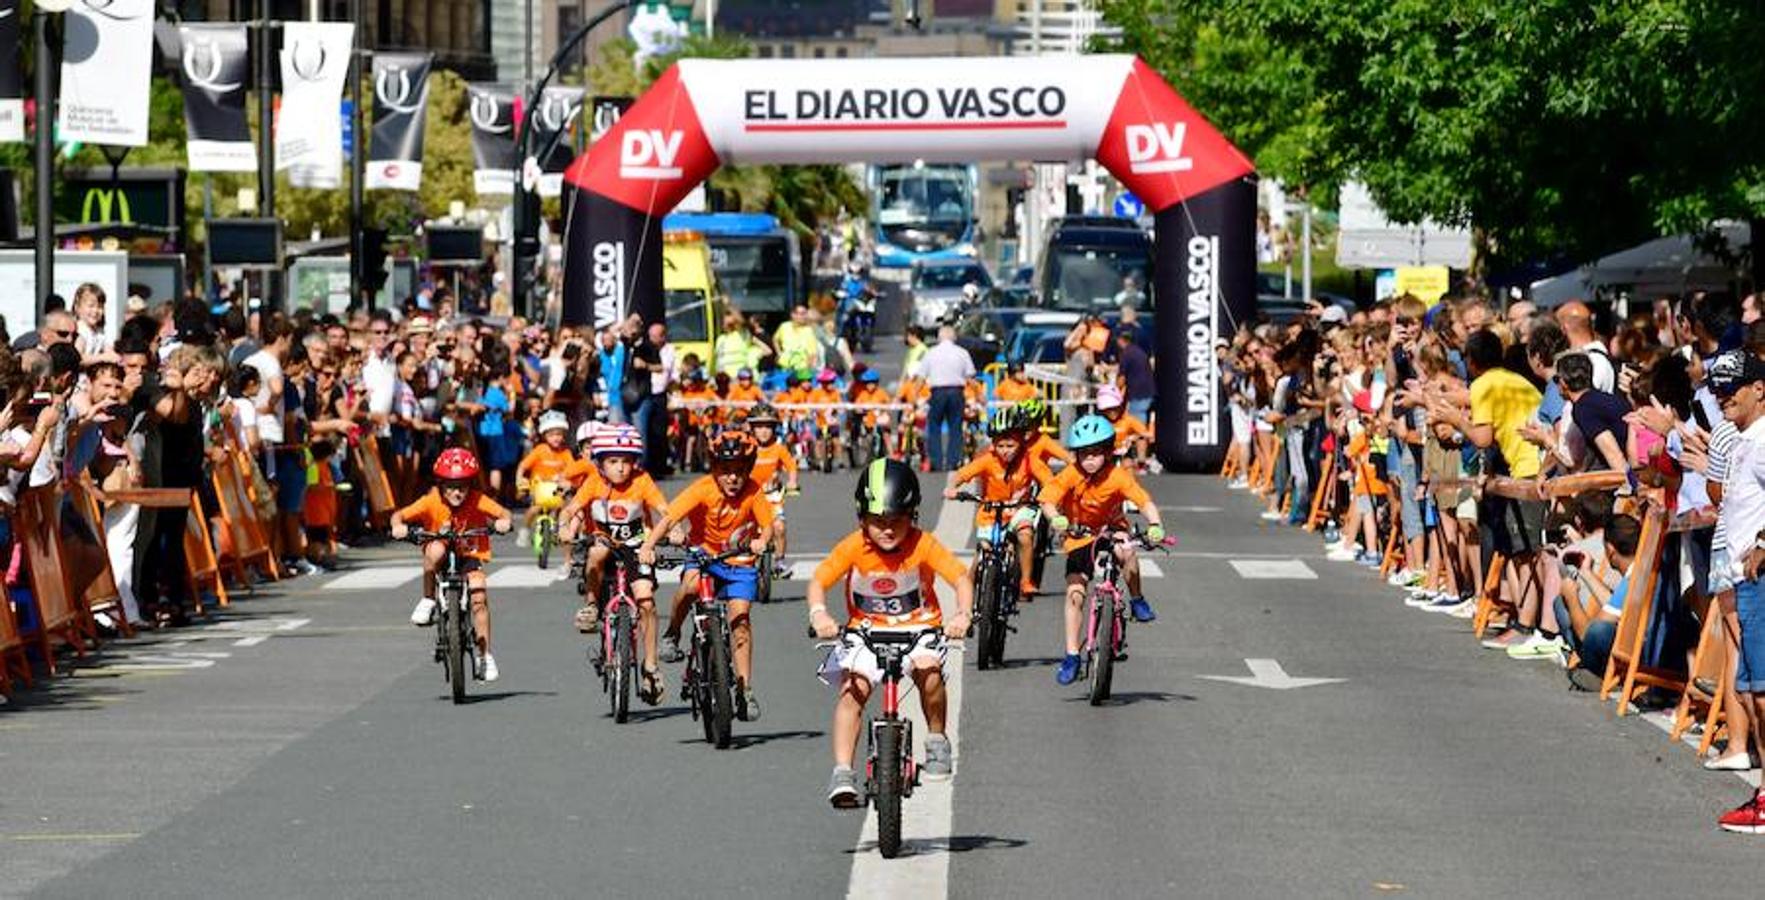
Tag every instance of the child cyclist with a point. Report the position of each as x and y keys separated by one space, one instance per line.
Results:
x=723 y=510
x=775 y=468
x=1006 y=472
x=1132 y=435
x=541 y=471
x=1090 y=493
x=889 y=566
x=618 y=501
x=1041 y=447
x=456 y=504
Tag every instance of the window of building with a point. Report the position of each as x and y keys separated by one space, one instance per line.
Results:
x=820 y=52
x=764 y=51
x=787 y=51
x=839 y=52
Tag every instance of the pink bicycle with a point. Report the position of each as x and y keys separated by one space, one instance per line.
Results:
x=1106 y=612
x=618 y=660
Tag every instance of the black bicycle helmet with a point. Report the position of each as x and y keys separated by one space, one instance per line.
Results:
x=763 y=414
x=733 y=446
x=887 y=487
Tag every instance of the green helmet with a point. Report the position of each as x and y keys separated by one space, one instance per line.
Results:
x=1005 y=420
x=1034 y=412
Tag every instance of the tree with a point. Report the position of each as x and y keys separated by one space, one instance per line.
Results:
x=1553 y=127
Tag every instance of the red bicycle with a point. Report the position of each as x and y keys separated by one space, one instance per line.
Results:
x=709 y=683
x=616 y=658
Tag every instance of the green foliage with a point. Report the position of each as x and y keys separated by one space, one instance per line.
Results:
x=1551 y=126
x=802 y=197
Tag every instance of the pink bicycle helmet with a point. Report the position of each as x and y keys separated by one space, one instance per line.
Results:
x=827 y=375
x=614 y=440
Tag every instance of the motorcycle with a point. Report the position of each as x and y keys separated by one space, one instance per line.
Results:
x=859 y=325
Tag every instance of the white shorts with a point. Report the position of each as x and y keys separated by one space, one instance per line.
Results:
x=1022 y=518
x=852 y=655
x=1241 y=424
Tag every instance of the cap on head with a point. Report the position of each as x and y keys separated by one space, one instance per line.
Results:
x=1731 y=371
x=1334 y=314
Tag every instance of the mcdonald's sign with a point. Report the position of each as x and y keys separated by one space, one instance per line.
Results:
x=150 y=197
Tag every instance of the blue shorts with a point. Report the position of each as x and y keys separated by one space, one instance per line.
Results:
x=290 y=479
x=735 y=582
x=1749 y=666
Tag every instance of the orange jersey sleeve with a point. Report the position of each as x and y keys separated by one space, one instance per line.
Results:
x=431 y=513
x=579 y=470
x=1047 y=448
x=717 y=521
x=891 y=589
x=772 y=459
x=1013 y=391
x=1129 y=427
x=542 y=463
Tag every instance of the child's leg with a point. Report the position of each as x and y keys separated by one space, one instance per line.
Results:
x=847 y=713
x=741 y=641
x=689 y=585
x=928 y=673
x=1075 y=612
x=1130 y=560
x=644 y=592
x=1026 y=555
x=593 y=571
x=475 y=587
x=434 y=553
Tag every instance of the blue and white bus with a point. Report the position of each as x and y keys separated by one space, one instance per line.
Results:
x=922 y=211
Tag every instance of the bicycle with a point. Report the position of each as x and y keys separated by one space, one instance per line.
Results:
x=996 y=581
x=1106 y=608
x=709 y=684
x=456 y=639
x=616 y=657
x=545 y=524
x=890 y=771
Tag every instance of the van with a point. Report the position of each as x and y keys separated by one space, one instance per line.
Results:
x=690 y=296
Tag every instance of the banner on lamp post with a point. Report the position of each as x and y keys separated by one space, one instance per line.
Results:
x=309 y=130
x=12 y=104
x=559 y=108
x=401 y=100
x=493 y=137
x=106 y=72
x=213 y=71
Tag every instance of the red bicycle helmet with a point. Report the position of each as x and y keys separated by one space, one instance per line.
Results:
x=456 y=464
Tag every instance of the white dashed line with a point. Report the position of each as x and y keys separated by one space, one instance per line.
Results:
x=1273 y=569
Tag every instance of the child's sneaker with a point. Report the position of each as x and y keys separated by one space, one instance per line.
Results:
x=487 y=668
x=1141 y=609
x=1068 y=671
x=424 y=614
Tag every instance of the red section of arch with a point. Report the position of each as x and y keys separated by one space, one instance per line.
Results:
x=654 y=156
x=1161 y=148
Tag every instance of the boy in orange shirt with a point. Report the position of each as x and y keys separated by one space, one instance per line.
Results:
x=744 y=390
x=868 y=392
x=617 y=502
x=1015 y=388
x=1131 y=434
x=1090 y=493
x=1042 y=448
x=721 y=510
x=1362 y=515
x=541 y=471
x=771 y=459
x=456 y=504
x=889 y=566
x=1006 y=473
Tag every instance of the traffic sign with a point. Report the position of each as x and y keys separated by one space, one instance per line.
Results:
x=1129 y=206
x=347 y=110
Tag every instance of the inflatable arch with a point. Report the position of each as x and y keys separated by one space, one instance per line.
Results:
x=705 y=113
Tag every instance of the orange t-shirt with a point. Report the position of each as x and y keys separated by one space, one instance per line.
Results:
x=1000 y=483
x=1011 y=390
x=1096 y=338
x=620 y=511
x=431 y=513
x=749 y=394
x=577 y=472
x=1046 y=448
x=1366 y=481
x=717 y=521
x=1095 y=503
x=698 y=416
x=542 y=463
x=913 y=391
x=771 y=459
x=870 y=395
x=891 y=589
x=1128 y=427
x=823 y=395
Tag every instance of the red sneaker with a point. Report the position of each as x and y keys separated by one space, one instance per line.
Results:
x=1747 y=818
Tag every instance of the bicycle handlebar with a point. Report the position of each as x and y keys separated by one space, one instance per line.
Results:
x=1135 y=533
x=984 y=503
x=698 y=559
x=419 y=536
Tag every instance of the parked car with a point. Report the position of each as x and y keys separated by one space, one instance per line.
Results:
x=1019 y=290
x=1033 y=330
x=982 y=333
x=934 y=289
x=1095 y=263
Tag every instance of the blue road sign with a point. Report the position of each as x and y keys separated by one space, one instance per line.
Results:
x=1129 y=206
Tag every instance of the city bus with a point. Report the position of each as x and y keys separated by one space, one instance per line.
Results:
x=922 y=211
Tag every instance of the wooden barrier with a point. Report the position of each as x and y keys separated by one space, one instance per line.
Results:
x=200 y=561
x=13 y=662
x=1625 y=670
x=1489 y=600
x=245 y=543
x=1323 y=500
x=37 y=527
x=381 y=503
x=102 y=594
x=1710 y=662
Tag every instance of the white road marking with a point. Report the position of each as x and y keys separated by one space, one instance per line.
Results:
x=955 y=524
x=1273 y=568
x=1267 y=673
x=252 y=641
x=525 y=575
x=378 y=578
x=1190 y=509
x=927 y=818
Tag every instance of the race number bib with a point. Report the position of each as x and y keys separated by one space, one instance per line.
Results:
x=887 y=594
x=622 y=520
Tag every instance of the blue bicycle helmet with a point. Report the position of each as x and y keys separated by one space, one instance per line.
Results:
x=1090 y=431
x=870 y=376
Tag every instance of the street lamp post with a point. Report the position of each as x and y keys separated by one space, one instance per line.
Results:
x=45 y=148
x=523 y=140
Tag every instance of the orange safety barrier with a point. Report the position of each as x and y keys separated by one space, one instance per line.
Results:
x=1489 y=600
x=1625 y=672
x=37 y=527
x=13 y=662
x=1710 y=664
x=243 y=539
x=381 y=503
x=102 y=594
x=1323 y=500
x=201 y=566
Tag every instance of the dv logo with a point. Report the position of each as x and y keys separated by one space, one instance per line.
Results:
x=648 y=154
x=1157 y=148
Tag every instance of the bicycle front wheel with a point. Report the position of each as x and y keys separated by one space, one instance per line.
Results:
x=722 y=684
x=458 y=658
x=1102 y=649
x=544 y=538
x=886 y=788
x=986 y=600
x=620 y=667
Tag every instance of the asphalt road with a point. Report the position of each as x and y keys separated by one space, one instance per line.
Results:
x=302 y=745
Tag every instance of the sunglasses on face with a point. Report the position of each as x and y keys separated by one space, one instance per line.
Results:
x=65 y=335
